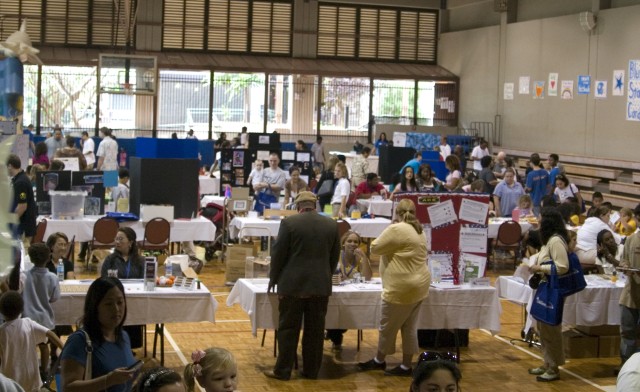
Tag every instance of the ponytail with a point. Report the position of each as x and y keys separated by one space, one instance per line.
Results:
x=406 y=212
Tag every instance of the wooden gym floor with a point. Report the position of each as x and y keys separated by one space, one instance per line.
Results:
x=490 y=362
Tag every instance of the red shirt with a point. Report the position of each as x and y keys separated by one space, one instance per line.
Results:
x=364 y=187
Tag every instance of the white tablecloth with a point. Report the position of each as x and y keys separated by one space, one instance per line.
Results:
x=597 y=304
x=209 y=185
x=376 y=207
x=164 y=305
x=367 y=228
x=494 y=224
x=206 y=199
x=358 y=306
x=198 y=229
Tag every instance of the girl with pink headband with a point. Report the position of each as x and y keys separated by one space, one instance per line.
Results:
x=215 y=369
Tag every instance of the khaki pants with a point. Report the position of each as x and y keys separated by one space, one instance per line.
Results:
x=403 y=318
x=552 y=347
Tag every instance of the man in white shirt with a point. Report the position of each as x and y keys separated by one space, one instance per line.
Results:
x=479 y=151
x=445 y=149
x=88 y=148
x=107 y=151
x=273 y=181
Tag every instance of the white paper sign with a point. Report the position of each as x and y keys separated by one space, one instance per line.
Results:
x=70 y=164
x=399 y=139
x=567 y=89
x=617 y=84
x=523 y=86
x=552 y=91
x=633 y=91
x=474 y=211
x=442 y=214
x=473 y=239
x=444 y=261
x=304 y=157
x=508 y=91
x=263 y=139
x=474 y=266
x=288 y=155
x=601 y=89
x=262 y=155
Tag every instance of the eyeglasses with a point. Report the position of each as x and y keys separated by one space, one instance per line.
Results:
x=436 y=355
x=120 y=239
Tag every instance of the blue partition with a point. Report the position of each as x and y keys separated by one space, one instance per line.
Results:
x=430 y=156
x=147 y=147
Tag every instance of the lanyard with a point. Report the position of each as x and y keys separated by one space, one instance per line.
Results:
x=128 y=267
x=344 y=267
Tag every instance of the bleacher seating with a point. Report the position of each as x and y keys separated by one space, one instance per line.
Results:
x=635 y=177
x=577 y=159
x=585 y=171
x=583 y=182
x=624 y=187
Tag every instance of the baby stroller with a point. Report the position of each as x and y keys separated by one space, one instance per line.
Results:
x=215 y=213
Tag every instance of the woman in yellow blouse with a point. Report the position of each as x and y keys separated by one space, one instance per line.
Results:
x=352 y=260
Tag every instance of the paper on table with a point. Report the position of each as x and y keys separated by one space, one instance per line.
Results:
x=522 y=272
x=474 y=211
x=262 y=155
x=442 y=213
x=288 y=155
x=445 y=286
x=473 y=239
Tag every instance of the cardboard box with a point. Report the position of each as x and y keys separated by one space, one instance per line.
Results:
x=235 y=261
x=578 y=345
x=599 y=330
x=148 y=212
x=609 y=346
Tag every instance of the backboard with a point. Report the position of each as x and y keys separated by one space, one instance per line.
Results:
x=127 y=74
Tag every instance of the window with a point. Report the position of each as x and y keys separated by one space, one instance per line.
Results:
x=183 y=102
x=228 y=25
x=14 y=12
x=393 y=101
x=238 y=100
x=345 y=106
x=377 y=33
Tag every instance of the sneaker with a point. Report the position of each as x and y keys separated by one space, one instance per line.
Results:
x=372 y=365
x=538 y=371
x=548 y=376
x=398 y=371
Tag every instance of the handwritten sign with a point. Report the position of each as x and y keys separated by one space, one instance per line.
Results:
x=584 y=84
x=633 y=91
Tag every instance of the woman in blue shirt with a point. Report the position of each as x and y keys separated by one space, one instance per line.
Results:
x=105 y=310
x=382 y=141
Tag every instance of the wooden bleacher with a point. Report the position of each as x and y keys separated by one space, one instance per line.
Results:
x=624 y=187
x=577 y=159
x=635 y=177
x=584 y=171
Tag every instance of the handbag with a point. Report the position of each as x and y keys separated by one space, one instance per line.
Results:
x=326 y=188
x=573 y=281
x=583 y=207
x=89 y=350
x=263 y=201
x=548 y=302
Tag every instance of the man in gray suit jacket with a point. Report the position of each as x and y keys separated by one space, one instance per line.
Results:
x=303 y=260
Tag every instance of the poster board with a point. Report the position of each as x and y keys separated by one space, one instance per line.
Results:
x=455 y=225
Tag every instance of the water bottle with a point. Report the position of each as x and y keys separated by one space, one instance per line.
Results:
x=60 y=270
x=168 y=269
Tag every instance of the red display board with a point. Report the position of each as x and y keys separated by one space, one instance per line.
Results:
x=457 y=223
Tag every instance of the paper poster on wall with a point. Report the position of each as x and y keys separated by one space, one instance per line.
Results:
x=444 y=103
x=442 y=214
x=618 y=83
x=633 y=91
x=584 y=84
x=508 y=92
x=474 y=211
x=523 y=85
x=553 y=85
x=288 y=155
x=452 y=107
x=539 y=89
x=567 y=89
x=399 y=139
x=601 y=89
x=473 y=239
x=262 y=155
x=263 y=139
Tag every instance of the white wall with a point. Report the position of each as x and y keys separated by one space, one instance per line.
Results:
x=535 y=48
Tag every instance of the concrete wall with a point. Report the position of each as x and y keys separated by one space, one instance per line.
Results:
x=536 y=48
